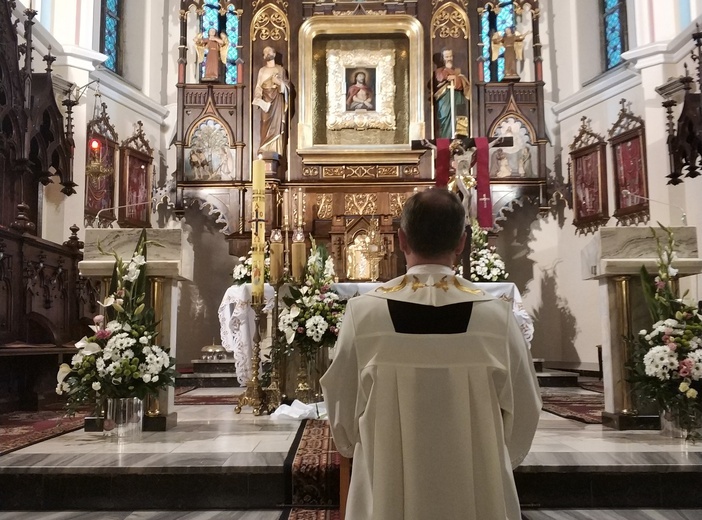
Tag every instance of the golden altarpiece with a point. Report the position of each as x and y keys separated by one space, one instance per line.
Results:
x=331 y=94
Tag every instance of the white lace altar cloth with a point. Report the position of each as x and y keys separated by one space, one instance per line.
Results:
x=236 y=317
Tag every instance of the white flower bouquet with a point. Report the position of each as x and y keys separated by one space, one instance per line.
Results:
x=312 y=317
x=667 y=360
x=486 y=265
x=122 y=358
x=242 y=271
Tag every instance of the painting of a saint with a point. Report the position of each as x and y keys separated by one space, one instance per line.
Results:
x=359 y=95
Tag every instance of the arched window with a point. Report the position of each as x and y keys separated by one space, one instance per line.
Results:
x=227 y=21
x=110 y=34
x=495 y=19
x=614 y=31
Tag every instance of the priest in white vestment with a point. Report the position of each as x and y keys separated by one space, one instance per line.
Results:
x=432 y=390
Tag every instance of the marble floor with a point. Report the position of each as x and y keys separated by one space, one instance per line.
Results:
x=214 y=436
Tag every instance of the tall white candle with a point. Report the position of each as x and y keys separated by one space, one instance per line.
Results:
x=258 y=228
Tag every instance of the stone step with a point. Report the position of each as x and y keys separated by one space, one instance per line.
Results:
x=552 y=378
x=212 y=366
x=539 y=364
x=208 y=380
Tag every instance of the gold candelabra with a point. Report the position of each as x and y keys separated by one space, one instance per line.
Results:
x=255 y=397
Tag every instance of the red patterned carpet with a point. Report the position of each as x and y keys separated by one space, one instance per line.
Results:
x=21 y=429
x=312 y=469
x=311 y=514
x=585 y=408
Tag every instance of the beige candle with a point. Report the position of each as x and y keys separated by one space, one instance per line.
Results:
x=258 y=228
x=298 y=260
x=276 y=256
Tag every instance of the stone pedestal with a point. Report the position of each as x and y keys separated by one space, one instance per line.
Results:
x=614 y=258
x=166 y=267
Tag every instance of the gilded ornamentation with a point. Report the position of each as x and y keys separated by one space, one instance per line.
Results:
x=416 y=284
x=394 y=288
x=464 y=288
x=376 y=12
x=450 y=21
x=442 y=284
x=382 y=116
x=361 y=203
x=411 y=171
x=397 y=202
x=332 y=171
x=388 y=171
x=310 y=171
x=270 y=23
x=359 y=171
x=324 y=205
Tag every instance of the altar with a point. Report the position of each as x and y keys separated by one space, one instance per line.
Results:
x=236 y=317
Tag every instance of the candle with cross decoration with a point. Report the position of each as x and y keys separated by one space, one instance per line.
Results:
x=258 y=228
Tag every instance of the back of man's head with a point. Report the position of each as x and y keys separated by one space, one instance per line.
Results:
x=433 y=221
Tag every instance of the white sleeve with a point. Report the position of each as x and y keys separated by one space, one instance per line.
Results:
x=521 y=415
x=340 y=387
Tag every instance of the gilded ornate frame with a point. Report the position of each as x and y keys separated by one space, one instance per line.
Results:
x=383 y=116
x=362 y=26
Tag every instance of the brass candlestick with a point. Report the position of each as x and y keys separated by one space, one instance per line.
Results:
x=274 y=391
x=254 y=396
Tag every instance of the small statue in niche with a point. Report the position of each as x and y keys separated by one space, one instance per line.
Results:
x=451 y=90
x=216 y=47
x=271 y=96
x=513 y=43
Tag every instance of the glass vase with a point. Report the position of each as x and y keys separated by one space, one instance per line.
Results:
x=671 y=426
x=123 y=417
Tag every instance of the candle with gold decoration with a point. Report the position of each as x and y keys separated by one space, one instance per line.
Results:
x=258 y=228
x=298 y=254
x=276 y=256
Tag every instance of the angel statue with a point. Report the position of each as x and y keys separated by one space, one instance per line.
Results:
x=513 y=43
x=216 y=47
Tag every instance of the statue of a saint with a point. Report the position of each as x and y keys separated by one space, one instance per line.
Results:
x=216 y=51
x=513 y=43
x=451 y=89
x=271 y=96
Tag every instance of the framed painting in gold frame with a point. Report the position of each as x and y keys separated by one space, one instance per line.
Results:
x=135 y=189
x=589 y=182
x=100 y=196
x=627 y=138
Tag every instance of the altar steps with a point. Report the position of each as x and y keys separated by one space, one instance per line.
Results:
x=549 y=377
x=208 y=373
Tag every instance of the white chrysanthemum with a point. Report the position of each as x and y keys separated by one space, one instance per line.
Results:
x=315 y=327
x=696 y=357
x=96 y=386
x=113 y=326
x=660 y=361
x=240 y=272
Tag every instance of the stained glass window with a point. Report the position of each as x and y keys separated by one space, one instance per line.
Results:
x=495 y=20
x=227 y=22
x=614 y=31
x=110 y=35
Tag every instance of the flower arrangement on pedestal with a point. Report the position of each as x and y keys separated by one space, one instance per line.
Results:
x=313 y=312
x=242 y=270
x=667 y=359
x=122 y=359
x=486 y=264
